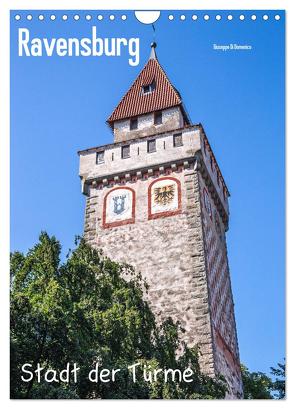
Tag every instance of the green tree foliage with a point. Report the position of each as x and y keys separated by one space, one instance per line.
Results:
x=278 y=385
x=257 y=385
x=91 y=310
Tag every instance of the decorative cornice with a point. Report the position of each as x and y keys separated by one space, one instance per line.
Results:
x=143 y=173
x=149 y=170
x=133 y=175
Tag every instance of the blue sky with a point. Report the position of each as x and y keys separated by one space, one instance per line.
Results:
x=59 y=105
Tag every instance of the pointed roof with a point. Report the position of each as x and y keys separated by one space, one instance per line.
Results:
x=135 y=102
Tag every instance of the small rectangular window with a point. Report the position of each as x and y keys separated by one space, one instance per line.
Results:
x=158 y=118
x=146 y=89
x=99 y=157
x=151 y=146
x=177 y=139
x=125 y=151
x=133 y=123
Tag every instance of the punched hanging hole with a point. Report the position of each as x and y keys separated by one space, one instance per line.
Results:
x=147 y=17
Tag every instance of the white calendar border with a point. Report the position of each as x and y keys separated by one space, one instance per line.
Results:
x=5 y=7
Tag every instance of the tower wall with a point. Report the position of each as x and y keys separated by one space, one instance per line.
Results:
x=182 y=254
x=225 y=344
x=168 y=251
x=172 y=118
x=139 y=159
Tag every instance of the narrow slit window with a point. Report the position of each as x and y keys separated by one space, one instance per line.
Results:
x=204 y=147
x=218 y=179
x=211 y=163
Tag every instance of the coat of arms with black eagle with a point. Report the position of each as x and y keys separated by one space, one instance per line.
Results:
x=164 y=195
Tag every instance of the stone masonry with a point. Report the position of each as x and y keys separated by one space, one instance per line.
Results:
x=168 y=252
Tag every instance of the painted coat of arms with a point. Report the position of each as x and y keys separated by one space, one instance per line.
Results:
x=164 y=195
x=119 y=204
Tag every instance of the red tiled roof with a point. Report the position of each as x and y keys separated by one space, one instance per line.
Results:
x=135 y=102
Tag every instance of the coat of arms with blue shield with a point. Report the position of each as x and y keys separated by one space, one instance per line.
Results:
x=119 y=203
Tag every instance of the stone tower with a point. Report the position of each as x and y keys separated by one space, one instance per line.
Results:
x=156 y=199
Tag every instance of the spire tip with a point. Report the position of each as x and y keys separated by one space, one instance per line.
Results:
x=153 y=50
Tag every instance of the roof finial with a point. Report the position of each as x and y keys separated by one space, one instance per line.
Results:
x=153 y=54
x=153 y=50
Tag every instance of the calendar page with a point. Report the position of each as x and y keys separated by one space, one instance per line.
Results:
x=147 y=203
